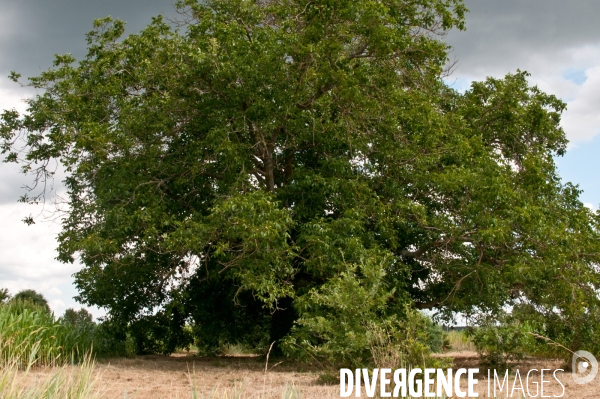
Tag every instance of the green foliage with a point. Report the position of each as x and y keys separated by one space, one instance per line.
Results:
x=407 y=344
x=110 y=341
x=77 y=317
x=334 y=319
x=158 y=335
x=28 y=330
x=498 y=345
x=32 y=297
x=4 y=295
x=298 y=171
x=351 y=339
x=558 y=334
x=18 y=307
x=227 y=319
x=437 y=338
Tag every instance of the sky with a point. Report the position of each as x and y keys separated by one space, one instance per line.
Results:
x=557 y=41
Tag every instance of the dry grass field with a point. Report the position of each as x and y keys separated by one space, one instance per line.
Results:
x=180 y=376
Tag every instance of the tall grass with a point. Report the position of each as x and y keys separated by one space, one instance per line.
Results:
x=62 y=382
x=460 y=342
x=30 y=336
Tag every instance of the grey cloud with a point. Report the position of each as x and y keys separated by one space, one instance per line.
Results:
x=11 y=183
x=503 y=35
x=557 y=41
x=14 y=184
x=34 y=30
x=500 y=32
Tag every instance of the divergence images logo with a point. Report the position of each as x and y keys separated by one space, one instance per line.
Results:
x=581 y=363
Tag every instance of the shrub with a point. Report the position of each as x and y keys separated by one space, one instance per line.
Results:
x=556 y=331
x=350 y=322
x=110 y=341
x=498 y=345
x=437 y=339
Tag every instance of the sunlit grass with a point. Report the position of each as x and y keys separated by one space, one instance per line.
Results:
x=460 y=342
x=61 y=381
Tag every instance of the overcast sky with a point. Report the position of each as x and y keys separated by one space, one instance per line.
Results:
x=557 y=41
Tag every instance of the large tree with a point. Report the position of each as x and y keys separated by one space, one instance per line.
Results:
x=300 y=169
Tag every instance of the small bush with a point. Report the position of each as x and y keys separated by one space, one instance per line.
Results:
x=350 y=321
x=408 y=343
x=110 y=341
x=392 y=342
x=499 y=345
x=437 y=339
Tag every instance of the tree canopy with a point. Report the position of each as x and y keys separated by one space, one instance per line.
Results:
x=77 y=317
x=33 y=297
x=300 y=170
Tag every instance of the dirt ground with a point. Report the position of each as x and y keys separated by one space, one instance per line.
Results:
x=245 y=377
x=223 y=377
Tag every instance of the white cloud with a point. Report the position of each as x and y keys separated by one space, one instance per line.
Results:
x=12 y=95
x=572 y=74
x=29 y=252
x=28 y=258
x=58 y=304
x=582 y=118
